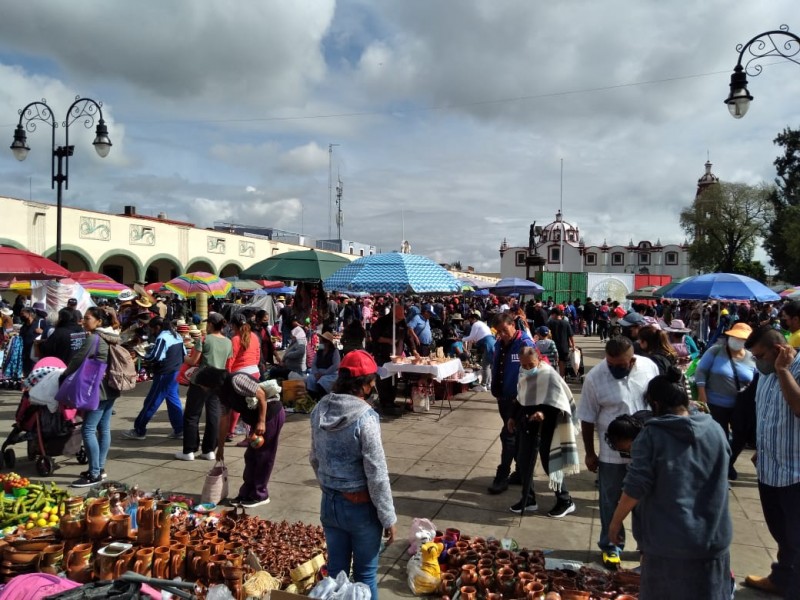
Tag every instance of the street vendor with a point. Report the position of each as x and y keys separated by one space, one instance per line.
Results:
x=382 y=350
x=259 y=406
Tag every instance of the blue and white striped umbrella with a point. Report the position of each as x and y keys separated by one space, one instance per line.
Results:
x=393 y=273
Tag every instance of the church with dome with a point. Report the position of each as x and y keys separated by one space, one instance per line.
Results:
x=559 y=246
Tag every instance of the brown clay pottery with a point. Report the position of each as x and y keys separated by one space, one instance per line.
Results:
x=161 y=562
x=494 y=596
x=452 y=531
x=78 y=563
x=625 y=597
x=107 y=567
x=523 y=579
x=146 y=522
x=468 y=592
x=506 y=584
x=162 y=523
x=98 y=514
x=177 y=558
x=575 y=595
x=119 y=527
x=469 y=574
x=233 y=580
x=143 y=561
x=52 y=558
x=182 y=537
x=196 y=558
x=72 y=526
x=447 y=586
x=552 y=596
x=534 y=591
x=73 y=506
x=485 y=579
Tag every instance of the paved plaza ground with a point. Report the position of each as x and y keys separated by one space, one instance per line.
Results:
x=440 y=469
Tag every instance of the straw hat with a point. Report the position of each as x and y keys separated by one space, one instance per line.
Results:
x=740 y=330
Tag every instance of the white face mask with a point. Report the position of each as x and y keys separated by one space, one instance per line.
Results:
x=735 y=344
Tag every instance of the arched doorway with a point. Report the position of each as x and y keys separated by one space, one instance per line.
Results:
x=122 y=268
x=199 y=264
x=73 y=258
x=162 y=268
x=231 y=269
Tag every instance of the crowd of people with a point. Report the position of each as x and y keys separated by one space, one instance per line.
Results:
x=655 y=454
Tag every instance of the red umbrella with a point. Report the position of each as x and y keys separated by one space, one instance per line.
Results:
x=154 y=288
x=81 y=276
x=266 y=283
x=27 y=265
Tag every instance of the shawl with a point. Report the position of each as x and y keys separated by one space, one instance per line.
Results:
x=547 y=387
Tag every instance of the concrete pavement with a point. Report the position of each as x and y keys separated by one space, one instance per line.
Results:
x=440 y=469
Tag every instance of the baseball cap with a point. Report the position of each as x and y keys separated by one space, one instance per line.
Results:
x=633 y=319
x=359 y=363
x=543 y=331
x=215 y=318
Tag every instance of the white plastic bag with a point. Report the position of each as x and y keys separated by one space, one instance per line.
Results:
x=575 y=356
x=422 y=530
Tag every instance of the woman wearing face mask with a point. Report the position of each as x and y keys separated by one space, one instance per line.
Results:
x=348 y=459
x=724 y=371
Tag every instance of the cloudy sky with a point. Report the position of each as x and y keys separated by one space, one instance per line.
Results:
x=451 y=116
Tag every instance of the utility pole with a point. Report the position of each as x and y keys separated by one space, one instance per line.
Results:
x=339 y=216
x=330 y=187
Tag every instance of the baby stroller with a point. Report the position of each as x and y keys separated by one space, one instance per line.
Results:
x=575 y=370
x=47 y=433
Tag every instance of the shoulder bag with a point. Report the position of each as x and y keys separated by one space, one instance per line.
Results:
x=81 y=389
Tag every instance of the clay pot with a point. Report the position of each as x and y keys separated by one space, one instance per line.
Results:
x=21 y=557
x=216 y=544
x=468 y=592
x=98 y=514
x=625 y=597
x=177 y=560
x=469 y=575
x=485 y=563
x=552 y=596
x=447 y=586
x=53 y=556
x=214 y=568
x=523 y=579
x=485 y=579
x=108 y=567
x=534 y=591
x=72 y=527
x=506 y=584
x=182 y=537
x=470 y=557
x=235 y=548
x=145 y=520
x=575 y=595
x=197 y=556
x=78 y=563
x=494 y=596
x=119 y=527
x=161 y=562
x=503 y=555
x=73 y=506
x=456 y=533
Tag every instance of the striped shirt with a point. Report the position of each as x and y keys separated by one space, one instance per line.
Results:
x=777 y=433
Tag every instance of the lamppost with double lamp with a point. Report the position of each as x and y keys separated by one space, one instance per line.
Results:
x=84 y=108
x=761 y=46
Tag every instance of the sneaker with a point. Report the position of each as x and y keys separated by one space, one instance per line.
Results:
x=175 y=436
x=762 y=583
x=515 y=478
x=207 y=455
x=611 y=560
x=561 y=509
x=132 y=435
x=182 y=456
x=529 y=506
x=254 y=502
x=499 y=485
x=478 y=388
x=86 y=481
x=103 y=474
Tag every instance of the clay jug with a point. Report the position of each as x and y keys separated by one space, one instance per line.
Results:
x=145 y=519
x=72 y=526
x=485 y=579
x=506 y=583
x=177 y=560
x=161 y=562
x=52 y=559
x=78 y=563
x=143 y=561
x=182 y=537
x=535 y=590
x=196 y=558
x=447 y=586
x=233 y=579
x=73 y=506
x=162 y=523
x=107 y=567
x=523 y=579
x=213 y=571
x=119 y=527
x=98 y=514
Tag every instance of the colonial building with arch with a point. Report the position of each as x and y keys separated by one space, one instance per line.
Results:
x=131 y=247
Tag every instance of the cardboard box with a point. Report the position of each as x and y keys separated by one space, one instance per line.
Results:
x=292 y=390
x=281 y=595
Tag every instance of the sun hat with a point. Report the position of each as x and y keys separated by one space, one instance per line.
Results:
x=126 y=296
x=677 y=326
x=476 y=313
x=740 y=330
x=280 y=298
x=633 y=319
x=6 y=312
x=39 y=308
x=271 y=388
x=359 y=363
x=457 y=317
x=195 y=332
x=144 y=302
x=329 y=336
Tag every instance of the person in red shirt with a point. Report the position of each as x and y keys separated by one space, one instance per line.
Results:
x=245 y=359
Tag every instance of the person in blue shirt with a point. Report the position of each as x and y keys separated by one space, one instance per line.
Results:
x=419 y=323
x=165 y=357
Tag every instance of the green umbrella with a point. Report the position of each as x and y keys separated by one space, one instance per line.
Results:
x=664 y=290
x=299 y=265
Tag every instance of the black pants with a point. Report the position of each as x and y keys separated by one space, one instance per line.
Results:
x=387 y=391
x=724 y=416
x=508 y=440
x=602 y=329
x=196 y=399
x=783 y=520
x=535 y=438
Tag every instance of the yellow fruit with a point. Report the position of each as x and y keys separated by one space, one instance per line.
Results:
x=29 y=525
x=42 y=522
x=33 y=516
x=54 y=518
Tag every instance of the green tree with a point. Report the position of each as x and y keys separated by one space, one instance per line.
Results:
x=754 y=269
x=783 y=239
x=724 y=224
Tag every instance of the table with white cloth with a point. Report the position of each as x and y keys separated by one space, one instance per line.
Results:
x=448 y=373
x=437 y=371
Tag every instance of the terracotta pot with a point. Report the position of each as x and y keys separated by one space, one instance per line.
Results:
x=236 y=560
x=485 y=563
x=119 y=527
x=469 y=575
x=197 y=556
x=575 y=595
x=182 y=537
x=447 y=586
x=108 y=567
x=21 y=557
x=145 y=520
x=72 y=527
x=213 y=572
x=523 y=579
x=503 y=555
x=80 y=556
x=73 y=506
x=161 y=562
x=468 y=592
x=534 y=591
x=506 y=584
x=216 y=544
x=162 y=524
x=177 y=560
x=456 y=533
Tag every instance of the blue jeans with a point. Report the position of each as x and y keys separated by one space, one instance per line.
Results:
x=611 y=477
x=96 y=434
x=165 y=385
x=353 y=534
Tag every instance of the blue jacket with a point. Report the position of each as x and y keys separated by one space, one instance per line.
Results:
x=167 y=353
x=505 y=369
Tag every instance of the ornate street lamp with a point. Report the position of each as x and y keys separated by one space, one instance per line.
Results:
x=762 y=46
x=84 y=108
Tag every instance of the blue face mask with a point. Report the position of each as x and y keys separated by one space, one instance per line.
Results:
x=529 y=372
x=619 y=372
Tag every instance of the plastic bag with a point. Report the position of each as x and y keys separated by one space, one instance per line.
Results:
x=422 y=530
x=340 y=589
x=424 y=575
